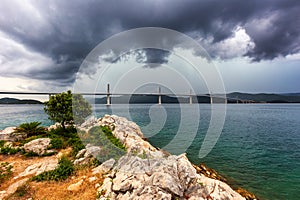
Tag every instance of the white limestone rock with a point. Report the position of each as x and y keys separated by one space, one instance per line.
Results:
x=38 y=146
x=38 y=168
x=104 y=168
x=8 y=134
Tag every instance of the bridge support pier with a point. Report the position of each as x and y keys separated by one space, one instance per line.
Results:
x=191 y=97
x=159 y=95
x=108 y=96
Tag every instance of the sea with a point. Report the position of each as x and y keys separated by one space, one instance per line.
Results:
x=258 y=148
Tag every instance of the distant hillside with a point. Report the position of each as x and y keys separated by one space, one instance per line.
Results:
x=290 y=94
x=151 y=99
x=18 y=101
x=139 y=99
x=268 y=98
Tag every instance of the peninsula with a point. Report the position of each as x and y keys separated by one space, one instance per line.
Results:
x=121 y=165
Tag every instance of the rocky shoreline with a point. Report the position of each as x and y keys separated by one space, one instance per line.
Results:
x=141 y=171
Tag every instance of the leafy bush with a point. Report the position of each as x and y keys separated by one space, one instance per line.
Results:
x=67 y=137
x=63 y=171
x=76 y=145
x=5 y=171
x=6 y=150
x=9 y=150
x=31 y=129
x=33 y=154
x=56 y=143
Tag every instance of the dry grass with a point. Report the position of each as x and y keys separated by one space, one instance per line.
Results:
x=50 y=190
x=20 y=163
x=58 y=190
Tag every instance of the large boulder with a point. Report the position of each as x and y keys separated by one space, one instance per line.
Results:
x=38 y=146
x=8 y=134
x=173 y=177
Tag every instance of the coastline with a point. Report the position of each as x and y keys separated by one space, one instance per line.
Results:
x=144 y=162
x=142 y=147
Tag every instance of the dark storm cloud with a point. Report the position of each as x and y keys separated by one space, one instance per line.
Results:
x=66 y=31
x=156 y=56
x=279 y=36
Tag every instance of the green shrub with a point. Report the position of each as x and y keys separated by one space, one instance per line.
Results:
x=9 y=150
x=57 y=143
x=31 y=129
x=108 y=133
x=76 y=145
x=33 y=154
x=63 y=171
x=67 y=137
x=62 y=138
x=5 y=171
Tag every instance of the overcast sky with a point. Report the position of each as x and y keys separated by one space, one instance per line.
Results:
x=254 y=44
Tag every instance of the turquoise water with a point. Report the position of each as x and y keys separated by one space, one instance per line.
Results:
x=259 y=148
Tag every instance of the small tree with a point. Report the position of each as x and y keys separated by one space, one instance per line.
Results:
x=60 y=108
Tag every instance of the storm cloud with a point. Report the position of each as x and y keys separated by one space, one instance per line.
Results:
x=48 y=41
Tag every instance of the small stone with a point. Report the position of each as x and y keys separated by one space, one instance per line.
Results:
x=59 y=155
x=2 y=194
x=80 y=153
x=92 y=179
x=75 y=187
x=13 y=188
x=8 y=144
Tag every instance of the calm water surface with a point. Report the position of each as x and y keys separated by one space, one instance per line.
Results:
x=259 y=148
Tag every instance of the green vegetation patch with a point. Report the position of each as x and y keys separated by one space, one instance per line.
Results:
x=62 y=138
x=31 y=129
x=33 y=154
x=111 y=147
x=108 y=133
x=102 y=135
x=7 y=150
x=62 y=172
x=5 y=171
